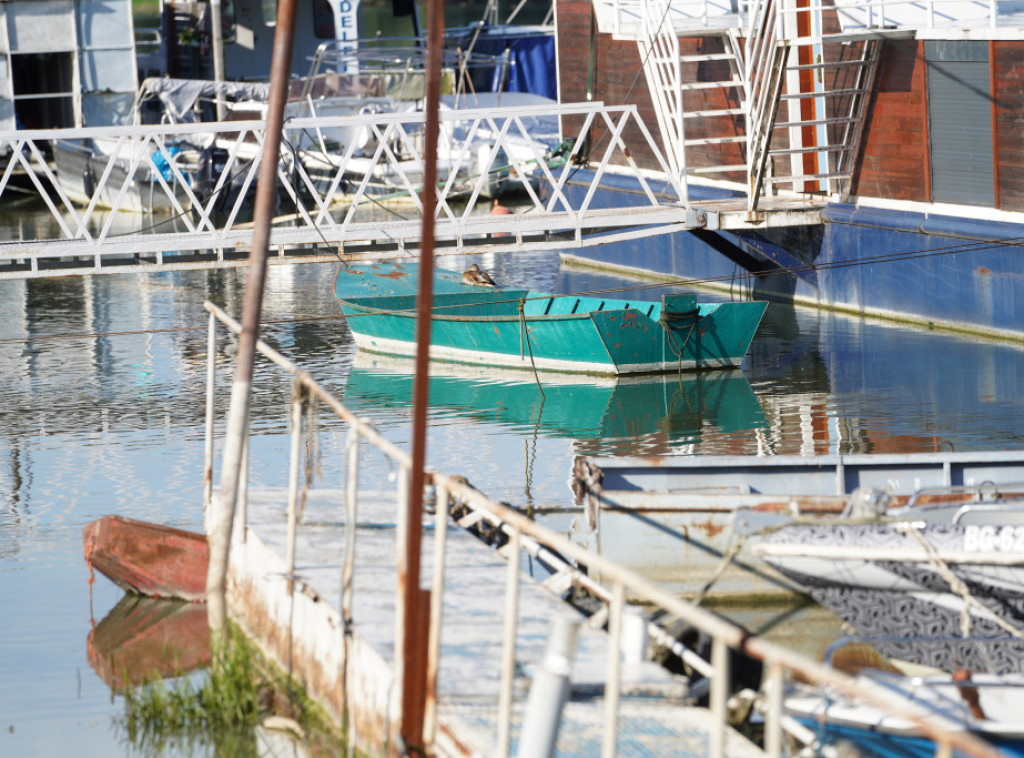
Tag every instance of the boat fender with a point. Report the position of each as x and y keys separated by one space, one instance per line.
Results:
x=88 y=182
x=869 y=503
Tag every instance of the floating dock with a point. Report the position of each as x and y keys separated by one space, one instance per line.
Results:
x=300 y=624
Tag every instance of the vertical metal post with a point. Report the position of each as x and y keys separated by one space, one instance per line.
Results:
x=773 y=720
x=413 y=667
x=508 y=645
x=293 y=487
x=549 y=691
x=719 y=696
x=211 y=381
x=611 y=685
x=348 y=568
x=436 y=612
x=238 y=417
x=403 y=612
x=217 y=43
x=351 y=492
x=242 y=499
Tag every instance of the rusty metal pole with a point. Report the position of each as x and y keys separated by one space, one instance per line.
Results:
x=238 y=414
x=415 y=602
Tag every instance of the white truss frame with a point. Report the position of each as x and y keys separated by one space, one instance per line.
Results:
x=92 y=240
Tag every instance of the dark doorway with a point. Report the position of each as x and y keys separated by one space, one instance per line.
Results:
x=43 y=98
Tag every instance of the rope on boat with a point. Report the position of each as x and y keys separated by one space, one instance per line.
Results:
x=672 y=320
x=524 y=331
x=958 y=586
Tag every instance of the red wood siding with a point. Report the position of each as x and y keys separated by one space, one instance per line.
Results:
x=1008 y=94
x=895 y=149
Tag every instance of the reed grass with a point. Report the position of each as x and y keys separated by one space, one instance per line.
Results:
x=220 y=709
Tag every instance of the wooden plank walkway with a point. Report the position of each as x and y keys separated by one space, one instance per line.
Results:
x=304 y=632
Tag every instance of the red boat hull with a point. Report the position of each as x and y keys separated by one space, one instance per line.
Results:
x=148 y=559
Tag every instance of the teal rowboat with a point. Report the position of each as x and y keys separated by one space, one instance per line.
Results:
x=525 y=329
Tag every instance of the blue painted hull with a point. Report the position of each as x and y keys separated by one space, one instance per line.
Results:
x=948 y=272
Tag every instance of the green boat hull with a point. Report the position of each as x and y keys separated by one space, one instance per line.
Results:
x=530 y=330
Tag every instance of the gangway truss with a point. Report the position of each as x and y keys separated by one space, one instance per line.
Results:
x=357 y=202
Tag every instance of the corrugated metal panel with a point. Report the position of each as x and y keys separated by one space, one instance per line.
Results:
x=960 y=122
x=6 y=83
x=107 y=68
x=41 y=26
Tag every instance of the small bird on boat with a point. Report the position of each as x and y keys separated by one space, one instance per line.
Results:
x=475 y=275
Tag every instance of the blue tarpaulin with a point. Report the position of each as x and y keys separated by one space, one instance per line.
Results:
x=533 y=67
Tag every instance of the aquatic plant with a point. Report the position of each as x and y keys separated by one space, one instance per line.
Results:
x=221 y=708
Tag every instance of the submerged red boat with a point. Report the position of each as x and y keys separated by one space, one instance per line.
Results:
x=148 y=559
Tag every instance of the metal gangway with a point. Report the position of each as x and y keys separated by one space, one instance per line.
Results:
x=349 y=189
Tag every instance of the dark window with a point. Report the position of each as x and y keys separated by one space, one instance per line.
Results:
x=323 y=19
x=43 y=96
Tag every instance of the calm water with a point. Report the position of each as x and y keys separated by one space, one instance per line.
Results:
x=101 y=409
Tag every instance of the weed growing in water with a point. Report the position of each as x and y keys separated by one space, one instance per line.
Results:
x=221 y=709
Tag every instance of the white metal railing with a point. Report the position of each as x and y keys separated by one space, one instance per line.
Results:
x=329 y=188
x=659 y=50
x=624 y=18
x=525 y=534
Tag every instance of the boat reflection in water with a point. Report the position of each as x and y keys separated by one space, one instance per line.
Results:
x=652 y=411
x=144 y=638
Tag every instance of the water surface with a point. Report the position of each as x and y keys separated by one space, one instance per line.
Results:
x=101 y=411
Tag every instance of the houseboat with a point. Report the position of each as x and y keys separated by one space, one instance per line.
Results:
x=66 y=63
x=901 y=121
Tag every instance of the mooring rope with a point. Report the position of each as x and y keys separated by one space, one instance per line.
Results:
x=672 y=320
x=524 y=331
x=957 y=586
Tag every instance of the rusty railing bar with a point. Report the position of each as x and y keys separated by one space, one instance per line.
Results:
x=211 y=379
x=293 y=481
x=351 y=503
x=719 y=696
x=773 y=713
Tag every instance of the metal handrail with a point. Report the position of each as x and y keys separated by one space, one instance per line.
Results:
x=526 y=534
x=694 y=16
x=323 y=214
